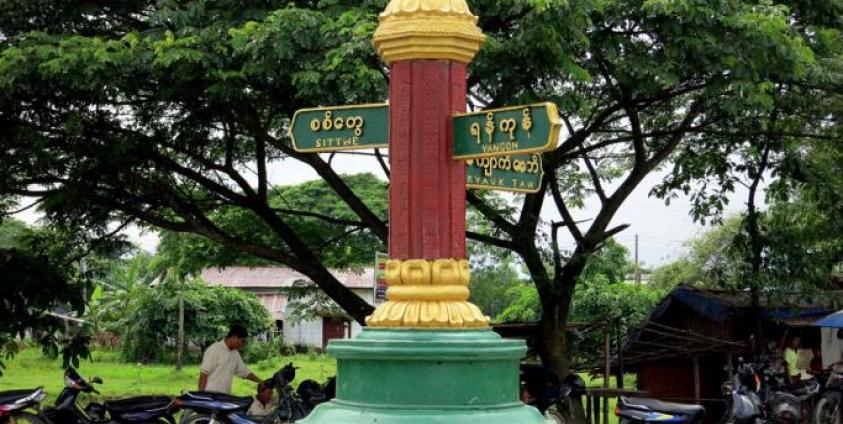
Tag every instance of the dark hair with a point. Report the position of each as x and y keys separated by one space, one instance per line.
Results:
x=238 y=331
x=263 y=386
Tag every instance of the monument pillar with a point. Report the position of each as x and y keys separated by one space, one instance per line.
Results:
x=427 y=355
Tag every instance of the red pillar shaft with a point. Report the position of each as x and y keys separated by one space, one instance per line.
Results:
x=427 y=189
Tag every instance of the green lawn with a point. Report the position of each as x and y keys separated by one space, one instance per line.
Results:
x=31 y=369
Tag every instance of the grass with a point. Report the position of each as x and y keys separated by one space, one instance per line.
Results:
x=30 y=369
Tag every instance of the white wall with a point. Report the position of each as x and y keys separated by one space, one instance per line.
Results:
x=309 y=333
x=306 y=333
x=832 y=347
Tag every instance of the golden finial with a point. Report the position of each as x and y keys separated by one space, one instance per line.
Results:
x=428 y=29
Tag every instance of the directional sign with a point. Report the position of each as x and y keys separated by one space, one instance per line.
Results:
x=337 y=128
x=507 y=131
x=519 y=173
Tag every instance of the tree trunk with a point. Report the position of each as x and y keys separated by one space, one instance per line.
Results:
x=180 y=342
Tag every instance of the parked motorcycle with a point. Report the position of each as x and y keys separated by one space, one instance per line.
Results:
x=136 y=410
x=638 y=410
x=761 y=393
x=827 y=407
x=541 y=388
x=21 y=406
x=212 y=407
x=744 y=404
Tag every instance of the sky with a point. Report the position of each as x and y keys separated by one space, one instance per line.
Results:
x=662 y=230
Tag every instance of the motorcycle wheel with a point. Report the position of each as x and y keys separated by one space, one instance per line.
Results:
x=27 y=418
x=196 y=419
x=827 y=410
x=555 y=416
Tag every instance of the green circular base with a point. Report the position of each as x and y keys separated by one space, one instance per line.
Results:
x=413 y=376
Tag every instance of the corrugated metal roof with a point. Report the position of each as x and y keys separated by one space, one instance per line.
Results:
x=278 y=277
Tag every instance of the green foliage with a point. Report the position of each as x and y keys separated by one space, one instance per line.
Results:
x=45 y=270
x=162 y=112
x=599 y=302
x=123 y=283
x=339 y=243
x=668 y=276
x=494 y=288
x=209 y=312
x=523 y=306
x=260 y=350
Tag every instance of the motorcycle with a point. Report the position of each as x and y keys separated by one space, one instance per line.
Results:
x=827 y=407
x=17 y=406
x=787 y=403
x=744 y=405
x=760 y=393
x=213 y=407
x=541 y=389
x=638 y=410
x=136 y=410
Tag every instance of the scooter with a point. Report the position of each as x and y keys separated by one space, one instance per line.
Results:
x=827 y=408
x=541 y=388
x=213 y=407
x=744 y=405
x=640 y=410
x=136 y=410
x=21 y=406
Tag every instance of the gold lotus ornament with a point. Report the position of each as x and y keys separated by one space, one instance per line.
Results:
x=428 y=294
x=428 y=29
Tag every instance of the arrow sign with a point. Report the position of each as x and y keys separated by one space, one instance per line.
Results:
x=340 y=128
x=518 y=173
x=507 y=131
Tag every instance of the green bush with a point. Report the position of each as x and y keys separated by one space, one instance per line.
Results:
x=209 y=312
x=259 y=351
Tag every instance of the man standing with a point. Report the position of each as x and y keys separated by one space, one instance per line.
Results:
x=222 y=361
x=790 y=358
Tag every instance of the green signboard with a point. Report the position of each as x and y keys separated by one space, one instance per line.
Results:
x=511 y=130
x=340 y=128
x=519 y=173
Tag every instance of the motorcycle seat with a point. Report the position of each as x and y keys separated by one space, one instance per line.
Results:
x=665 y=407
x=805 y=387
x=136 y=404
x=12 y=396
x=220 y=397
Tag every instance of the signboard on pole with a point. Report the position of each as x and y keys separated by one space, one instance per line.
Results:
x=340 y=128
x=380 y=280
x=518 y=173
x=506 y=131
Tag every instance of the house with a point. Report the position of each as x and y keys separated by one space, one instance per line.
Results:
x=272 y=285
x=686 y=348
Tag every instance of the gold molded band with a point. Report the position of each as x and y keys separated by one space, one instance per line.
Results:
x=428 y=29
x=435 y=293
x=427 y=294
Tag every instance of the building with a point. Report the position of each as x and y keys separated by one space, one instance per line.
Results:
x=684 y=350
x=272 y=284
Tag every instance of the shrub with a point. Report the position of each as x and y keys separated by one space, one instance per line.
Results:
x=208 y=313
x=258 y=350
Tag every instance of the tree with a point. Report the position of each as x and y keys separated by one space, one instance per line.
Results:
x=168 y=112
x=45 y=270
x=123 y=283
x=209 y=312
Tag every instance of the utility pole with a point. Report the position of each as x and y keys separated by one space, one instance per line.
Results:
x=637 y=266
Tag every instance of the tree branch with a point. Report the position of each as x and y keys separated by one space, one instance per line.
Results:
x=563 y=210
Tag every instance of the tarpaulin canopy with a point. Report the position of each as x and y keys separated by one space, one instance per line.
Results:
x=834 y=320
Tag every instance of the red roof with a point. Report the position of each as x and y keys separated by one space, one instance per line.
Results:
x=277 y=277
